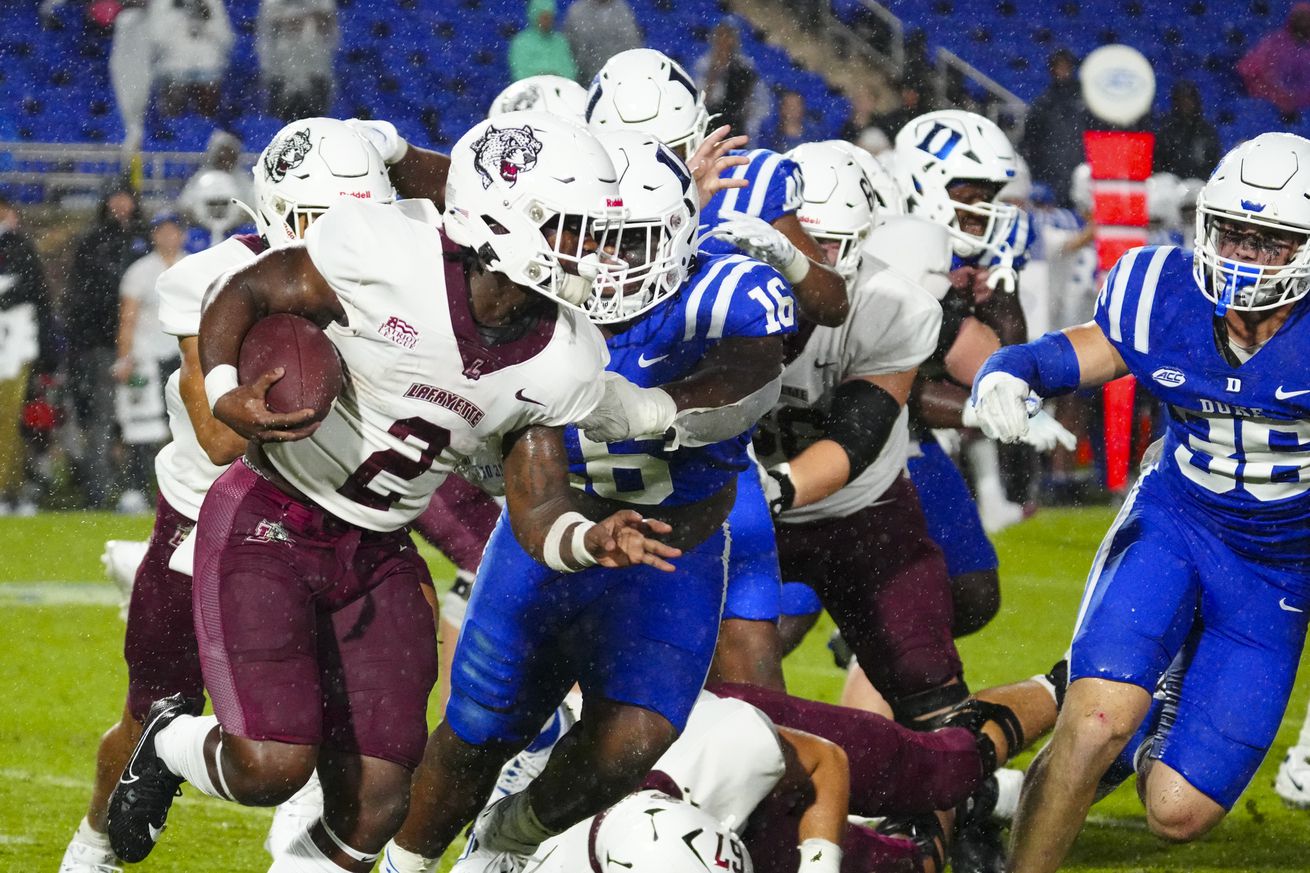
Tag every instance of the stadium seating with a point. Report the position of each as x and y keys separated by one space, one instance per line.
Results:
x=1201 y=40
x=431 y=66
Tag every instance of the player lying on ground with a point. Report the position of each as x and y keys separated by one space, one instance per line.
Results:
x=315 y=641
x=1188 y=638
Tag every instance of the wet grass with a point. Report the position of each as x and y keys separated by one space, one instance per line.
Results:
x=62 y=680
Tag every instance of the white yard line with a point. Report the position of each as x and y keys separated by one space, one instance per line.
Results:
x=58 y=594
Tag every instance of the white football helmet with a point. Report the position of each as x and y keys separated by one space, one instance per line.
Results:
x=1164 y=200
x=838 y=205
x=650 y=832
x=210 y=199
x=514 y=179
x=554 y=94
x=309 y=165
x=887 y=195
x=658 y=241
x=941 y=148
x=647 y=91
x=1262 y=183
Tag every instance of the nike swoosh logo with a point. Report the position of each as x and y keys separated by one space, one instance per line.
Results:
x=518 y=395
x=644 y=362
x=1282 y=604
x=154 y=832
x=1280 y=394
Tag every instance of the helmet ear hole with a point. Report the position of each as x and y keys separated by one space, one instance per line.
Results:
x=494 y=226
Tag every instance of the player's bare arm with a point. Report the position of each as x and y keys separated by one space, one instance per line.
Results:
x=222 y=445
x=284 y=280
x=421 y=173
x=821 y=291
x=817 y=769
x=941 y=402
x=858 y=424
x=545 y=512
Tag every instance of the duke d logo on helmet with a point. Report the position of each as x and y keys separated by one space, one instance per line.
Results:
x=287 y=155
x=505 y=153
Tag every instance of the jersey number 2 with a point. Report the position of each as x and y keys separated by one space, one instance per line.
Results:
x=391 y=461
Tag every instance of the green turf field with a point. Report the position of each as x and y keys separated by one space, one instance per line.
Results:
x=62 y=682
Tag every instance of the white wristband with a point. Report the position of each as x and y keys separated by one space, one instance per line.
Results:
x=552 y=547
x=219 y=381
x=798 y=269
x=819 y=856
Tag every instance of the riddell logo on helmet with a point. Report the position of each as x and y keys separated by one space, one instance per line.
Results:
x=358 y=195
x=613 y=201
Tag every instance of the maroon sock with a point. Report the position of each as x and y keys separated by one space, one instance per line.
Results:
x=894 y=770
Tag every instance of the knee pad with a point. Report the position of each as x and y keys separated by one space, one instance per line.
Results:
x=911 y=708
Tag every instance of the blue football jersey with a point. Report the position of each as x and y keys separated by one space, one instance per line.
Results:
x=1237 y=438
x=726 y=296
x=774 y=191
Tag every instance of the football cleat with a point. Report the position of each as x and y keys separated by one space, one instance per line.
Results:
x=519 y=771
x=82 y=857
x=477 y=859
x=138 y=808
x=1292 y=783
x=977 y=846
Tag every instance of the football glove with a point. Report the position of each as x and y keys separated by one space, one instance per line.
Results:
x=763 y=242
x=627 y=412
x=1003 y=406
x=779 y=491
x=383 y=136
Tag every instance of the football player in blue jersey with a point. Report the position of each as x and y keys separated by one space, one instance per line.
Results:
x=696 y=345
x=646 y=91
x=1188 y=637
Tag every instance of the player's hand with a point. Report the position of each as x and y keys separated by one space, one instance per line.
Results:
x=757 y=238
x=625 y=539
x=1000 y=407
x=245 y=411
x=383 y=136
x=1045 y=433
x=711 y=160
x=779 y=491
x=627 y=411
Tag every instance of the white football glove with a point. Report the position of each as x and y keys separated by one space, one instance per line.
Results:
x=1045 y=433
x=1003 y=407
x=763 y=242
x=627 y=412
x=383 y=136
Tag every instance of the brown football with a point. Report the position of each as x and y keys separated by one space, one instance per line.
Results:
x=313 y=375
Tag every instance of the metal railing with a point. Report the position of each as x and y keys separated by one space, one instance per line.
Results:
x=1005 y=107
x=895 y=54
x=57 y=171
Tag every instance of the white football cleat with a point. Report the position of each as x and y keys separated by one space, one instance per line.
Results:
x=1293 y=780
x=527 y=765
x=295 y=815
x=475 y=859
x=85 y=857
x=121 y=558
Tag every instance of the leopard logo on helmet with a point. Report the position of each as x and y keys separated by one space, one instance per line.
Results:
x=530 y=98
x=505 y=153
x=287 y=155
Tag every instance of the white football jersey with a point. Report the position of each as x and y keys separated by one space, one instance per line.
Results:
x=424 y=392
x=726 y=761
x=916 y=248
x=183 y=469
x=892 y=327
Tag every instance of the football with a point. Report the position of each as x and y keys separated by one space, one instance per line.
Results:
x=313 y=374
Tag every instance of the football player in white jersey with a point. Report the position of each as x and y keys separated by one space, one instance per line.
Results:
x=315 y=641
x=160 y=645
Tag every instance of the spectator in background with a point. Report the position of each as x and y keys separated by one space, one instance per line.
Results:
x=539 y=49
x=146 y=356
x=734 y=94
x=131 y=70
x=789 y=128
x=597 y=30
x=912 y=106
x=26 y=339
x=1185 y=143
x=1053 y=133
x=864 y=114
x=1277 y=68
x=191 y=40
x=90 y=307
x=295 y=42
